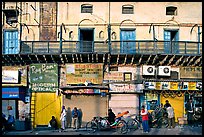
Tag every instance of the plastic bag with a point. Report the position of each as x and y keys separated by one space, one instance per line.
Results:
x=49 y=125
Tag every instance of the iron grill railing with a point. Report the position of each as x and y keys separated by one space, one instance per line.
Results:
x=117 y=47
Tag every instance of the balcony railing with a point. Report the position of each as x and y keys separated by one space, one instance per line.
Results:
x=117 y=47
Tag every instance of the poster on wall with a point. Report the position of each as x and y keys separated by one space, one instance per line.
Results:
x=113 y=76
x=150 y=85
x=10 y=76
x=79 y=73
x=165 y=85
x=44 y=77
x=192 y=86
x=191 y=72
x=183 y=85
x=125 y=88
x=158 y=86
x=18 y=78
x=173 y=85
x=199 y=85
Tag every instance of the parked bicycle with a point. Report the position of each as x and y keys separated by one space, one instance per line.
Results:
x=102 y=123
x=134 y=123
x=159 y=118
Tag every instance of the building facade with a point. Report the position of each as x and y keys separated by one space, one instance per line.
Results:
x=100 y=55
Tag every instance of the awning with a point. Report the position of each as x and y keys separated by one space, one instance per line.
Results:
x=13 y=93
x=85 y=87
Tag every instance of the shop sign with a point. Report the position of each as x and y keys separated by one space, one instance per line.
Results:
x=173 y=85
x=10 y=76
x=165 y=85
x=13 y=93
x=126 y=88
x=183 y=85
x=21 y=76
x=79 y=73
x=158 y=86
x=44 y=77
x=191 y=72
x=115 y=76
x=85 y=91
x=199 y=85
x=192 y=86
x=150 y=85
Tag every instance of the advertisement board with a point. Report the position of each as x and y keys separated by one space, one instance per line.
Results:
x=173 y=85
x=191 y=72
x=44 y=77
x=126 y=88
x=14 y=76
x=80 y=73
x=10 y=76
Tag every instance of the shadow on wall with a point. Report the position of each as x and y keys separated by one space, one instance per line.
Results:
x=80 y=117
x=69 y=117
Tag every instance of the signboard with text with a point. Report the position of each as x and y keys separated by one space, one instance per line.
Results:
x=44 y=77
x=191 y=72
x=80 y=73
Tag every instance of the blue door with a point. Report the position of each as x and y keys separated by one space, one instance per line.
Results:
x=127 y=38
x=11 y=45
x=171 y=39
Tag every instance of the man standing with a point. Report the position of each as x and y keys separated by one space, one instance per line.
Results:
x=63 y=117
x=145 y=119
x=189 y=111
x=75 y=116
x=171 y=117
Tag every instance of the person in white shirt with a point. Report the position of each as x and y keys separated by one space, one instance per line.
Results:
x=63 y=118
x=171 y=117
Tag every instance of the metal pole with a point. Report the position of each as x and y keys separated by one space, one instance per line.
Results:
x=61 y=39
x=109 y=32
x=198 y=39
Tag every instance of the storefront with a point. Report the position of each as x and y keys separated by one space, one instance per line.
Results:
x=81 y=86
x=90 y=100
x=45 y=100
x=10 y=97
x=125 y=97
x=15 y=95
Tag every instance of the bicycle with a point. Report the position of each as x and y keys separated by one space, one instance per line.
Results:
x=99 y=123
x=134 y=123
x=93 y=124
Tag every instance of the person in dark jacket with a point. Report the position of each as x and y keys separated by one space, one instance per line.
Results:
x=189 y=111
x=53 y=123
x=75 y=116
x=111 y=116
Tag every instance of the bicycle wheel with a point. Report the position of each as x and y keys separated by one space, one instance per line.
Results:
x=122 y=127
x=91 y=126
x=133 y=124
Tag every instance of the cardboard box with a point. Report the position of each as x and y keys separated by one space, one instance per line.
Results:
x=182 y=121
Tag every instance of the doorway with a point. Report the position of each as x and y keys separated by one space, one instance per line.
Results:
x=171 y=38
x=86 y=38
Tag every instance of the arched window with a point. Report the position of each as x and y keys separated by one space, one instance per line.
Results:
x=171 y=10
x=127 y=9
x=86 y=8
x=113 y=35
x=101 y=34
x=71 y=35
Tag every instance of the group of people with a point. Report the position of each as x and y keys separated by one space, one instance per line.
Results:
x=76 y=116
x=168 y=110
x=7 y=123
x=112 y=118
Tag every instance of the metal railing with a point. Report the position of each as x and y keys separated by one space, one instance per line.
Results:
x=117 y=47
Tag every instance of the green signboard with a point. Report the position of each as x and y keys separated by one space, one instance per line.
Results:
x=44 y=77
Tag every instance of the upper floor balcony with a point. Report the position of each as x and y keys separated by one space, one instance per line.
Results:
x=118 y=53
x=116 y=47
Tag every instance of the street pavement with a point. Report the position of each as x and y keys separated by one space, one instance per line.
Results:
x=178 y=130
